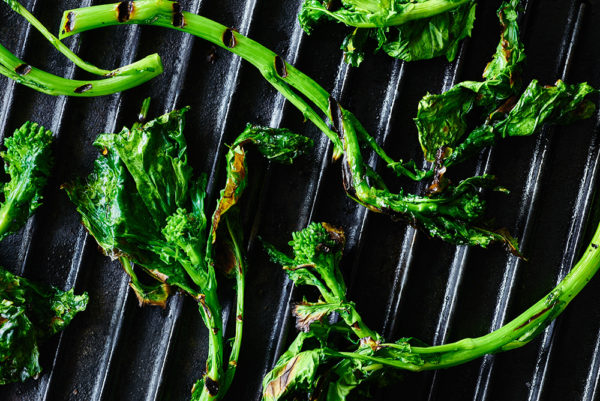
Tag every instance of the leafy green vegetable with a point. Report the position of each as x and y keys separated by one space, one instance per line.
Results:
x=30 y=313
x=407 y=30
x=144 y=206
x=452 y=213
x=539 y=105
x=330 y=361
x=27 y=162
x=455 y=215
x=441 y=119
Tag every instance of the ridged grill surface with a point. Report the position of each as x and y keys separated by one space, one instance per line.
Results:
x=404 y=283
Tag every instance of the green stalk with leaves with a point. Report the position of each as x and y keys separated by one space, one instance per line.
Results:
x=115 y=81
x=143 y=205
x=328 y=361
x=407 y=30
x=29 y=312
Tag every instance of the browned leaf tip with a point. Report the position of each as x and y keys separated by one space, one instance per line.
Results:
x=304 y=319
x=278 y=386
x=230 y=193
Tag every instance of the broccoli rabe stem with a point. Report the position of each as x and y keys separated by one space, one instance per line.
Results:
x=50 y=84
x=283 y=76
x=61 y=47
x=240 y=272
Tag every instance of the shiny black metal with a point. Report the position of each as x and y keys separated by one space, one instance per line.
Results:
x=404 y=283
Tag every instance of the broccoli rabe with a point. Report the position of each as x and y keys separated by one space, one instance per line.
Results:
x=30 y=313
x=27 y=162
x=331 y=359
x=144 y=205
x=407 y=30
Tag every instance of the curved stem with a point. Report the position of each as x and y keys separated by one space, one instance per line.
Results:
x=61 y=47
x=240 y=273
x=514 y=334
x=283 y=76
x=44 y=82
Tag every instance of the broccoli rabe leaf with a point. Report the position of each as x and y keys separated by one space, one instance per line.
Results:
x=539 y=105
x=27 y=162
x=155 y=157
x=30 y=313
x=296 y=369
x=114 y=206
x=428 y=38
x=441 y=119
x=407 y=30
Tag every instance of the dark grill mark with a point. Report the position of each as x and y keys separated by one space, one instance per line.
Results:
x=178 y=20
x=229 y=38
x=124 y=11
x=212 y=386
x=83 y=88
x=280 y=67
x=70 y=24
x=333 y=112
x=23 y=69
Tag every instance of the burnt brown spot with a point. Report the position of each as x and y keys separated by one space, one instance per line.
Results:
x=215 y=330
x=240 y=318
x=83 y=88
x=595 y=246
x=439 y=183
x=229 y=38
x=70 y=23
x=178 y=19
x=23 y=69
x=212 y=386
x=540 y=313
x=3 y=320
x=333 y=106
x=124 y=11
x=280 y=67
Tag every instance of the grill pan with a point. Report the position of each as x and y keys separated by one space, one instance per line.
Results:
x=404 y=283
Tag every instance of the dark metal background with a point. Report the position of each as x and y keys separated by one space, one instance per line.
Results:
x=404 y=283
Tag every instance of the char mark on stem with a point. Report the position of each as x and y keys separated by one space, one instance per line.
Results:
x=280 y=67
x=70 y=23
x=83 y=88
x=124 y=11
x=212 y=386
x=229 y=38
x=178 y=19
x=334 y=110
x=23 y=69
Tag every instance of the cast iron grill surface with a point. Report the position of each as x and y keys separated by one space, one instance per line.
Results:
x=404 y=283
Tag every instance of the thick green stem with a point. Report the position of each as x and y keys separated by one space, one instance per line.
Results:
x=284 y=77
x=61 y=47
x=50 y=84
x=210 y=310
x=240 y=274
